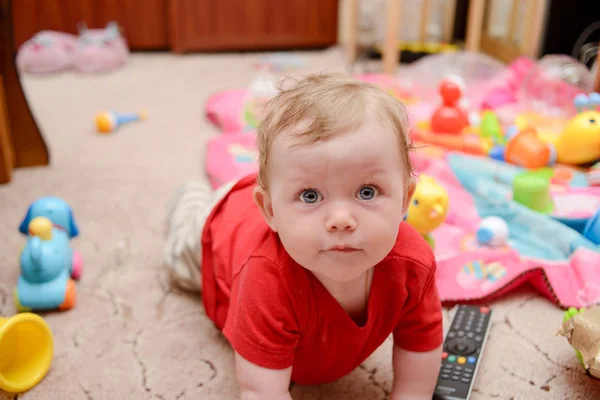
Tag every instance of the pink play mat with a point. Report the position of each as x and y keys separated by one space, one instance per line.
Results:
x=467 y=272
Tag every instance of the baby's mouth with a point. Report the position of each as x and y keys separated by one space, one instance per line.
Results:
x=343 y=249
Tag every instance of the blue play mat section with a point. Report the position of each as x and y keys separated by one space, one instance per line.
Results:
x=532 y=234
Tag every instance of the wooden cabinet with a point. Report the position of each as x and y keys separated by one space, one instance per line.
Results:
x=143 y=21
x=189 y=25
x=208 y=25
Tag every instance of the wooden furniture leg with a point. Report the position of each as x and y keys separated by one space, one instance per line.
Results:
x=351 y=32
x=474 y=24
x=391 y=53
x=19 y=129
x=7 y=157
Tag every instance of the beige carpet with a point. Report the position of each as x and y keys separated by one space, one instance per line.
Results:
x=131 y=336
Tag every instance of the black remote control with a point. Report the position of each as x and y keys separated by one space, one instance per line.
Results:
x=463 y=347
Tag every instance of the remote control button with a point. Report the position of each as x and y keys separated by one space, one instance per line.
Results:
x=471 y=360
x=460 y=333
x=464 y=380
x=470 y=335
x=461 y=346
x=451 y=334
x=484 y=310
x=445 y=376
x=444 y=355
x=455 y=378
x=478 y=338
x=478 y=330
x=468 y=370
x=462 y=360
x=451 y=358
x=457 y=368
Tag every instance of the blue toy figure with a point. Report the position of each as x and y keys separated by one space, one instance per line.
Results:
x=48 y=264
x=56 y=210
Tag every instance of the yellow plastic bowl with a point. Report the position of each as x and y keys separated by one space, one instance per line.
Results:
x=26 y=351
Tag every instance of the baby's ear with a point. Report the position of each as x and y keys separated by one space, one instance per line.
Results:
x=409 y=191
x=263 y=201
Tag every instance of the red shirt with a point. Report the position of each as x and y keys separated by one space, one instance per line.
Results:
x=276 y=314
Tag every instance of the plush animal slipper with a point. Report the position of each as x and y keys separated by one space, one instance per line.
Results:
x=100 y=50
x=47 y=52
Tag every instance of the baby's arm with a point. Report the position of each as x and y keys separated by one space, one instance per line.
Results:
x=418 y=339
x=415 y=373
x=258 y=383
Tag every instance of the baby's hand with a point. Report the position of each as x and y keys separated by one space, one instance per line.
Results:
x=258 y=383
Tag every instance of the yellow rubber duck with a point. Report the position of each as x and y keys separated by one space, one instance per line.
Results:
x=428 y=208
x=579 y=142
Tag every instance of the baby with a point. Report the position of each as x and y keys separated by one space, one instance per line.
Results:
x=307 y=267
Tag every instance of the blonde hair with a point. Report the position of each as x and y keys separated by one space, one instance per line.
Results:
x=323 y=105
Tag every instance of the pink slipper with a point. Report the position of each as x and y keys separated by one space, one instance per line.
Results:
x=100 y=50
x=47 y=52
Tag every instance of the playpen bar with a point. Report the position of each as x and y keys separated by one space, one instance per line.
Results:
x=534 y=22
x=449 y=22
x=352 y=31
x=512 y=27
x=391 y=52
x=474 y=24
x=424 y=19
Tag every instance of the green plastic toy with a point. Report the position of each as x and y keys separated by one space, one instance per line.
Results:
x=532 y=189
x=490 y=128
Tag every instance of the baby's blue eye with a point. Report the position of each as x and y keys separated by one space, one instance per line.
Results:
x=415 y=202
x=367 y=193
x=310 y=196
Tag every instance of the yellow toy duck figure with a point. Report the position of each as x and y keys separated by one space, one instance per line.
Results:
x=428 y=208
x=579 y=142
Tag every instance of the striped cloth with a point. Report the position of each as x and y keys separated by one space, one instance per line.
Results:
x=188 y=209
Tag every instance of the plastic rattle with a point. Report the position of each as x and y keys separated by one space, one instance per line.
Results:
x=428 y=208
x=108 y=122
x=26 y=351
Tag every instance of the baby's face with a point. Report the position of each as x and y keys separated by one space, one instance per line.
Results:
x=337 y=204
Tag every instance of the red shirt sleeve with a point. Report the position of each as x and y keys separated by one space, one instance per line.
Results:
x=420 y=328
x=262 y=325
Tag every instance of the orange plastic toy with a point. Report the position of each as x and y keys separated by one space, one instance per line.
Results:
x=528 y=150
x=449 y=117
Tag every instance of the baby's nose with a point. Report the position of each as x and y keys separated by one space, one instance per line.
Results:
x=341 y=220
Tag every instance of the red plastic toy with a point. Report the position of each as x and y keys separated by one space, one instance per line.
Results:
x=449 y=117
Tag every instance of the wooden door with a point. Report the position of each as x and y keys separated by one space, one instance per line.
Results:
x=144 y=22
x=210 y=25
